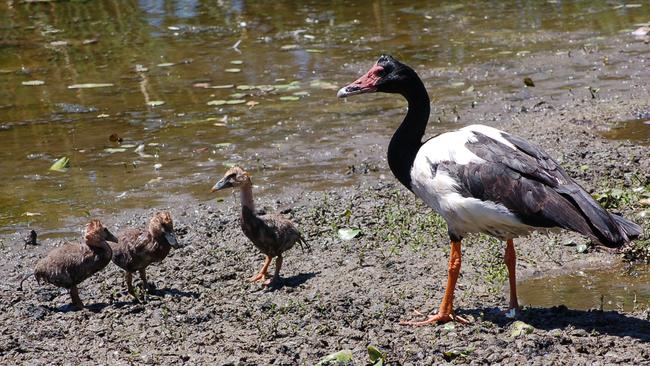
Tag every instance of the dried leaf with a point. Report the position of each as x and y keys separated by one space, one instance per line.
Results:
x=90 y=85
x=529 y=82
x=217 y=102
x=33 y=83
x=115 y=138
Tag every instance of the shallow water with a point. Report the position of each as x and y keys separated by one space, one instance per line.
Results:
x=176 y=52
x=618 y=288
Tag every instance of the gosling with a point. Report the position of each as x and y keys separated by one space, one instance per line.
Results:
x=272 y=234
x=138 y=248
x=70 y=264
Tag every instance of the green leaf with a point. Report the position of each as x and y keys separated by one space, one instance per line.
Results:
x=375 y=356
x=348 y=233
x=61 y=165
x=519 y=328
x=289 y=98
x=236 y=101
x=222 y=145
x=155 y=103
x=336 y=357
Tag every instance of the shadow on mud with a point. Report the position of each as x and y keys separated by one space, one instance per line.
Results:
x=559 y=317
x=293 y=281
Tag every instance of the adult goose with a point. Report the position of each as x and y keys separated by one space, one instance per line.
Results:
x=483 y=180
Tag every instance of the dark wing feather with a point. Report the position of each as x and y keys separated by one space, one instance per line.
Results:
x=534 y=187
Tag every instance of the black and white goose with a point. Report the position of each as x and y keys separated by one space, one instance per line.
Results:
x=483 y=180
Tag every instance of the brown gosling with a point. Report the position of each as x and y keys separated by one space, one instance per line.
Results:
x=138 y=248
x=272 y=234
x=70 y=264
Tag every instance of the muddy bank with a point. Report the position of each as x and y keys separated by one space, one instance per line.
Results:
x=348 y=294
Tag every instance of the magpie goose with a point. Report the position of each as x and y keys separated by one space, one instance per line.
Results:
x=483 y=180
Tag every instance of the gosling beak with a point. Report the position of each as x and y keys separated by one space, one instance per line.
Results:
x=222 y=184
x=111 y=237
x=365 y=84
x=171 y=239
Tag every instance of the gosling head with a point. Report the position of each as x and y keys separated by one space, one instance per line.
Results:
x=234 y=177
x=162 y=226
x=96 y=234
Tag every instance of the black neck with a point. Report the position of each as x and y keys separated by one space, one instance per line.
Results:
x=407 y=140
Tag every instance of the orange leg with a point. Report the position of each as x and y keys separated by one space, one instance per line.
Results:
x=262 y=273
x=446 y=311
x=510 y=257
x=276 y=276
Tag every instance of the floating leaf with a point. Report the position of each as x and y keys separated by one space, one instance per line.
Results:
x=33 y=83
x=289 y=47
x=323 y=85
x=348 y=233
x=155 y=103
x=252 y=103
x=222 y=145
x=233 y=70
x=236 y=62
x=301 y=93
x=519 y=328
x=166 y=64
x=61 y=165
x=237 y=95
x=112 y=150
x=90 y=85
x=245 y=87
x=338 y=357
x=217 y=102
x=228 y=86
x=313 y=50
x=529 y=82
x=236 y=101
x=201 y=85
x=289 y=98
x=31 y=214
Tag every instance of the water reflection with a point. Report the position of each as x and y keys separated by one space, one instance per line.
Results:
x=178 y=52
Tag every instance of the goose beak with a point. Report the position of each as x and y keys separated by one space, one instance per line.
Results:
x=171 y=239
x=222 y=184
x=365 y=84
x=111 y=237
